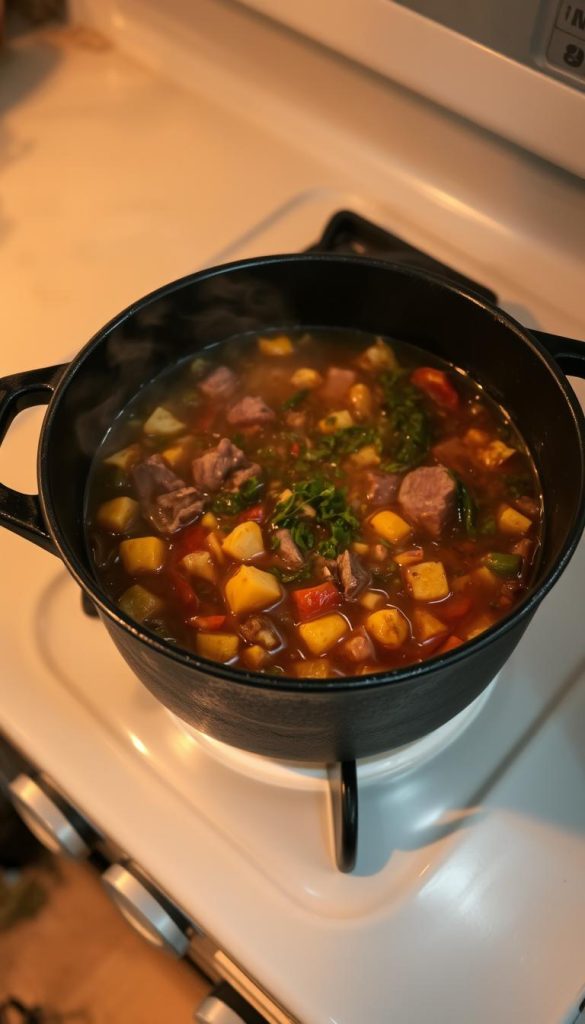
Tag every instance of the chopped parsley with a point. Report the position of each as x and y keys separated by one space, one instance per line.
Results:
x=333 y=516
x=297 y=399
x=409 y=422
x=230 y=503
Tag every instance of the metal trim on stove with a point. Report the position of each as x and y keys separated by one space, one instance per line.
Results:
x=56 y=825
x=146 y=910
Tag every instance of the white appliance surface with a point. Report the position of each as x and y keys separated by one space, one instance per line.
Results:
x=468 y=899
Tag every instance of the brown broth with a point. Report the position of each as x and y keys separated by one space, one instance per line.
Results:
x=293 y=451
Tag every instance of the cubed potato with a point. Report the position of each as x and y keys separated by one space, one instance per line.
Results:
x=334 y=421
x=511 y=521
x=162 y=423
x=244 y=542
x=138 y=603
x=379 y=553
x=200 y=564
x=278 y=346
x=305 y=377
x=320 y=635
x=255 y=656
x=475 y=437
x=365 y=457
x=174 y=455
x=360 y=548
x=462 y=583
x=118 y=514
x=125 y=458
x=217 y=646
x=485 y=578
x=427 y=581
x=479 y=625
x=143 y=554
x=251 y=589
x=427 y=626
x=319 y=668
x=378 y=356
x=389 y=627
x=372 y=599
x=214 y=543
x=391 y=526
x=209 y=521
x=360 y=400
x=495 y=454
x=284 y=495
x=411 y=557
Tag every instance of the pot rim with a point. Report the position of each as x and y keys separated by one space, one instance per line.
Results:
x=239 y=676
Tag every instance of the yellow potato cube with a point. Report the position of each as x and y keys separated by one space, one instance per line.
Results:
x=476 y=437
x=209 y=521
x=360 y=548
x=319 y=668
x=174 y=455
x=320 y=635
x=426 y=626
x=372 y=599
x=125 y=458
x=378 y=356
x=250 y=589
x=279 y=346
x=217 y=646
x=143 y=554
x=427 y=581
x=200 y=563
x=335 y=421
x=255 y=656
x=462 y=583
x=162 y=423
x=244 y=542
x=485 y=578
x=388 y=627
x=495 y=454
x=284 y=495
x=360 y=400
x=214 y=541
x=138 y=603
x=306 y=378
x=511 y=521
x=390 y=526
x=365 y=457
x=118 y=514
x=480 y=625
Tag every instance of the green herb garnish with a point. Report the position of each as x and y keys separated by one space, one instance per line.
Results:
x=332 y=514
x=297 y=399
x=230 y=503
x=292 y=575
x=409 y=422
x=466 y=509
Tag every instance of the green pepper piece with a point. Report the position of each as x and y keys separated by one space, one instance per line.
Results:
x=503 y=564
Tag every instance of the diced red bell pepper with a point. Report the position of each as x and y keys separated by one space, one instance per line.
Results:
x=254 y=514
x=311 y=600
x=208 y=622
x=449 y=645
x=192 y=538
x=184 y=592
x=436 y=385
x=295 y=449
x=456 y=607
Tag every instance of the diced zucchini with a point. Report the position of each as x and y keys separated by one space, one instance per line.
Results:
x=511 y=521
x=426 y=626
x=138 y=603
x=365 y=457
x=320 y=668
x=254 y=656
x=200 y=563
x=143 y=554
x=320 y=635
x=334 y=421
x=244 y=542
x=305 y=377
x=279 y=346
x=214 y=541
x=360 y=400
x=391 y=526
x=427 y=581
x=125 y=458
x=118 y=514
x=162 y=423
x=372 y=599
x=217 y=646
x=209 y=521
x=388 y=627
x=251 y=589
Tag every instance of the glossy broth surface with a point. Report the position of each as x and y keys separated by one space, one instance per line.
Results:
x=315 y=504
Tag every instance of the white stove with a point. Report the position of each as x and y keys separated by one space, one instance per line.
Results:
x=468 y=897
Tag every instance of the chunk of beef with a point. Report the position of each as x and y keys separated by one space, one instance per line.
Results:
x=258 y=629
x=152 y=477
x=353 y=575
x=176 y=509
x=241 y=476
x=381 y=488
x=211 y=469
x=427 y=498
x=358 y=647
x=251 y=409
x=288 y=550
x=220 y=383
x=337 y=383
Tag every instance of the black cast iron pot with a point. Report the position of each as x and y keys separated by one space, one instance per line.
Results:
x=308 y=720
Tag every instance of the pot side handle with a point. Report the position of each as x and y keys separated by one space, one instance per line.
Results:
x=569 y=354
x=20 y=512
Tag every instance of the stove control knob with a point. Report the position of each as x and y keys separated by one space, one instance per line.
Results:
x=147 y=910
x=54 y=823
